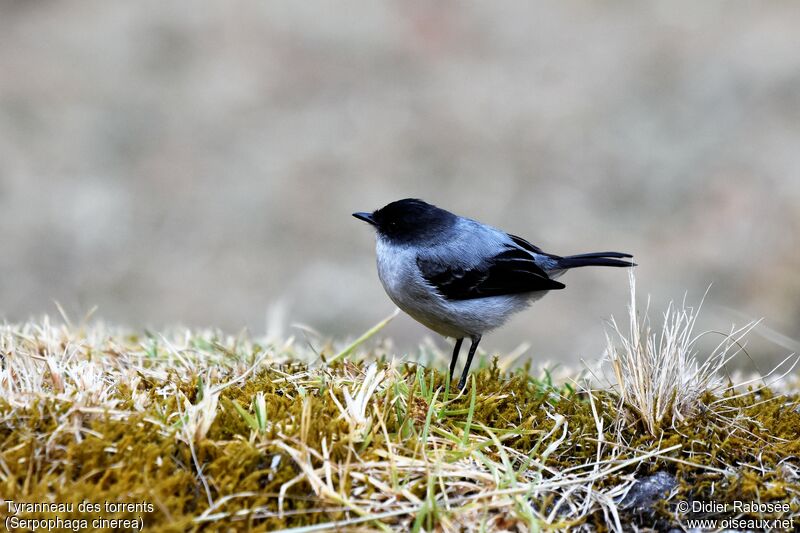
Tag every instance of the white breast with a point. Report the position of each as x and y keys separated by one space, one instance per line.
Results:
x=399 y=273
x=403 y=282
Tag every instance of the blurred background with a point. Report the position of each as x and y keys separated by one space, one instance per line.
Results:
x=196 y=163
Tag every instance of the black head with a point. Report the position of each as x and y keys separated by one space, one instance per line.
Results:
x=409 y=220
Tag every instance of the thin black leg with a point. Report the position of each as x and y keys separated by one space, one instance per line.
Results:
x=474 y=346
x=456 y=351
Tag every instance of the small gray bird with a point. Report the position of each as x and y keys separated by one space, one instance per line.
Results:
x=462 y=278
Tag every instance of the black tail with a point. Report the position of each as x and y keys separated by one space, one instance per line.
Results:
x=595 y=259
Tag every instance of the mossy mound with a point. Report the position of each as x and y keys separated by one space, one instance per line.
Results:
x=209 y=432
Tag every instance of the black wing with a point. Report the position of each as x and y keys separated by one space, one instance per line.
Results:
x=510 y=272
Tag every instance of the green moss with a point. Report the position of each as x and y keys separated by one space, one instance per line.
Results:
x=52 y=451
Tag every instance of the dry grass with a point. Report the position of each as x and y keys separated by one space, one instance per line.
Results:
x=659 y=375
x=228 y=431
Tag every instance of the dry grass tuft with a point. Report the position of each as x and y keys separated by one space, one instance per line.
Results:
x=659 y=375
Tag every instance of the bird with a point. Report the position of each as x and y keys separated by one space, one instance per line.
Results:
x=462 y=278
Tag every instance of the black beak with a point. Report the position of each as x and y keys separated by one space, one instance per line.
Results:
x=366 y=217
